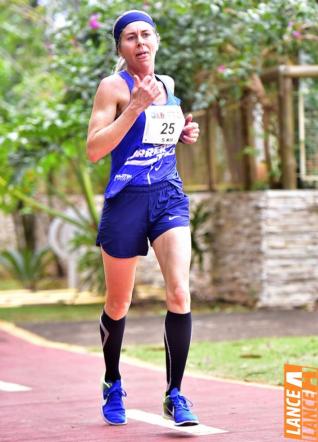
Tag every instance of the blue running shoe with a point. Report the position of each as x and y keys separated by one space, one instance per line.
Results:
x=113 y=410
x=176 y=407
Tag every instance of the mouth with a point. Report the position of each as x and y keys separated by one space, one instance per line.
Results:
x=142 y=54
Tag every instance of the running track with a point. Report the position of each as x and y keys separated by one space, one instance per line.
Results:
x=63 y=401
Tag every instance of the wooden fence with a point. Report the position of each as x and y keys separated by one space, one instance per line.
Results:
x=253 y=142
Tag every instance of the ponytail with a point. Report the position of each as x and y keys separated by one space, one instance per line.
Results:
x=120 y=65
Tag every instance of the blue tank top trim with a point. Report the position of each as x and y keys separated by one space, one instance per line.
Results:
x=128 y=78
x=137 y=163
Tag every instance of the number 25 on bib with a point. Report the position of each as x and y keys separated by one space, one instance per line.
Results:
x=164 y=124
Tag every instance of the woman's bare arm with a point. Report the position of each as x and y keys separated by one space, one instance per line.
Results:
x=104 y=131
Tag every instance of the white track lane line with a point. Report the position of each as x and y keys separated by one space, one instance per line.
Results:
x=155 y=419
x=12 y=388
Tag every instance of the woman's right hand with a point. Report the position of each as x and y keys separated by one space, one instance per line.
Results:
x=144 y=92
x=105 y=131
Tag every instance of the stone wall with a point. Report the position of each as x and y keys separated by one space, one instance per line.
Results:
x=7 y=232
x=264 y=249
x=236 y=248
x=289 y=248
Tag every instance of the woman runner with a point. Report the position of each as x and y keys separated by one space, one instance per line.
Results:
x=137 y=119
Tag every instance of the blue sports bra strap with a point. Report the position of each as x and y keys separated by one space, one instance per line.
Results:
x=129 y=80
x=130 y=83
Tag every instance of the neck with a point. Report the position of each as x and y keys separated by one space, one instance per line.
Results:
x=142 y=73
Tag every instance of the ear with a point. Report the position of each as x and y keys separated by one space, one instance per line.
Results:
x=158 y=40
x=118 y=49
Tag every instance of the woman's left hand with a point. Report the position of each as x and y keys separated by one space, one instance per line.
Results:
x=190 y=131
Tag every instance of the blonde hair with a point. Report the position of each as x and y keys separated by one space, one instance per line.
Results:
x=120 y=65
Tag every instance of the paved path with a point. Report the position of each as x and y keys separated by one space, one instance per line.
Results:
x=62 y=403
x=209 y=326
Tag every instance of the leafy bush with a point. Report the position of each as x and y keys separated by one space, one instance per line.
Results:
x=27 y=266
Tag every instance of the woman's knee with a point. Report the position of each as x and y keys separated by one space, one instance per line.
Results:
x=178 y=298
x=117 y=307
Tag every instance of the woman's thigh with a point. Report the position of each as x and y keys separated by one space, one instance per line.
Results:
x=119 y=276
x=173 y=251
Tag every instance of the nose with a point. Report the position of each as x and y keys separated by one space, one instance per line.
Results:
x=140 y=39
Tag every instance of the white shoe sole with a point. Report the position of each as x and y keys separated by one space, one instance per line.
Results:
x=180 y=424
x=112 y=423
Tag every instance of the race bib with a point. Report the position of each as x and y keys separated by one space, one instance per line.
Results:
x=164 y=124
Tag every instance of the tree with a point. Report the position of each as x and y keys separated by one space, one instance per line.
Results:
x=54 y=55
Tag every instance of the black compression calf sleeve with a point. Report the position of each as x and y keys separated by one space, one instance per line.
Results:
x=111 y=332
x=177 y=338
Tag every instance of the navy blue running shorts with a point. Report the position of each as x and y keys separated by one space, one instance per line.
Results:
x=139 y=213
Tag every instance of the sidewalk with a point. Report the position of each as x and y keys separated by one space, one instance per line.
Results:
x=148 y=329
x=63 y=400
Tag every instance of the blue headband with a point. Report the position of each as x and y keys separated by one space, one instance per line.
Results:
x=127 y=18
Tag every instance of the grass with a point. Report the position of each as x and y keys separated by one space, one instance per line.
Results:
x=46 y=283
x=253 y=360
x=87 y=312
x=9 y=284
x=51 y=313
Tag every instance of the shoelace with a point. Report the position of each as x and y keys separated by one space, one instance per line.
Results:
x=181 y=401
x=117 y=391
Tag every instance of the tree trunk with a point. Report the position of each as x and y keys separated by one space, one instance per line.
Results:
x=50 y=180
x=24 y=225
x=286 y=132
x=248 y=158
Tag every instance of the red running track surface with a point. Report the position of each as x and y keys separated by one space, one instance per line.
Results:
x=64 y=401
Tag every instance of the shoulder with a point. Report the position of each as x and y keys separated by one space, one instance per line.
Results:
x=168 y=81
x=111 y=83
x=110 y=88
